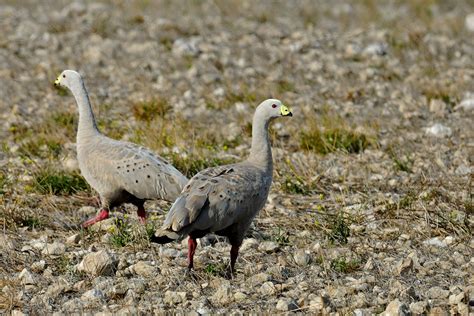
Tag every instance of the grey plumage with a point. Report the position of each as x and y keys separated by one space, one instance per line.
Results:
x=121 y=172
x=225 y=199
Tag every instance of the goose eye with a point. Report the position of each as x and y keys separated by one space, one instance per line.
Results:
x=274 y=105
x=64 y=76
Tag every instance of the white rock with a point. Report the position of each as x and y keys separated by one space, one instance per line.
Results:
x=463 y=170
x=439 y=130
x=437 y=106
x=223 y=294
x=168 y=252
x=404 y=266
x=267 y=288
x=26 y=277
x=466 y=104
x=469 y=22
x=268 y=246
x=436 y=241
x=172 y=297
x=74 y=239
x=17 y=313
x=317 y=303
x=143 y=268
x=418 y=308
x=239 y=296
x=38 y=266
x=92 y=295
x=302 y=257
x=455 y=299
x=98 y=263
x=395 y=308
x=437 y=292
x=249 y=243
x=379 y=49
x=55 y=249
x=186 y=46
x=286 y=304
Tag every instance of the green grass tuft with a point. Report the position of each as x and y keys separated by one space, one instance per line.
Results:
x=343 y=265
x=340 y=230
x=192 y=164
x=327 y=141
x=59 y=182
x=3 y=182
x=121 y=236
x=147 y=111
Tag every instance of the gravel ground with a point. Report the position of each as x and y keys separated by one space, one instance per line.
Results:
x=371 y=207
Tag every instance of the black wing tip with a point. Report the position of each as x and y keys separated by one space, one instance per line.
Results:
x=160 y=239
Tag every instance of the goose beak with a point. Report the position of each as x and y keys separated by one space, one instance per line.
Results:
x=285 y=111
x=56 y=82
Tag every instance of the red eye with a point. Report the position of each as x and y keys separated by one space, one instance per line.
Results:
x=274 y=105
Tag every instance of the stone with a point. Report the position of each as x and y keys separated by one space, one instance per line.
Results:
x=463 y=170
x=396 y=307
x=379 y=49
x=437 y=292
x=302 y=257
x=454 y=299
x=93 y=295
x=249 y=243
x=186 y=46
x=439 y=130
x=172 y=298
x=74 y=239
x=437 y=107
x=16 y=312
x=418 y=308
x=404 y=266
x=54 y=249
x=286 y=304
x=435 y=242
x=223 y=294
x=466 y=104
x=469 y=22
x=268 y=246
x=26 y=277
x=267 y=288
x=38 y=266
x=259 y=279
x=143 y=269
x=98 y=263
x=317 y=304
x=239 y=296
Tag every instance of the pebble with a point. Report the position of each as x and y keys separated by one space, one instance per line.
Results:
x=172 y=297
x=26 y=277
x=418 y=308
x=267 y=288
x=437 y=292
x=54 y=249
x=73 y=239
x=466 y=104
x=143 y=268
x=223 y=294
x=38 y=266
x=92 y=295
x=404 y=266
x=396 y=307
x=98 y=263
x=268 y=246
x=469 y=22
x=286 y=304
x=439 y=130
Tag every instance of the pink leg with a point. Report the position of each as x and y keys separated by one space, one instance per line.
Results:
x=192 y=244
x=234 y=252
x=141 y=214
x=104 y=213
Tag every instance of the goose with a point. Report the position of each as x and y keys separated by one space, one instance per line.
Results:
x=225 y=199
x=121 y=172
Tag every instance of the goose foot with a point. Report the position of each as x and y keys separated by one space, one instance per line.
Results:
x=104 y=214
